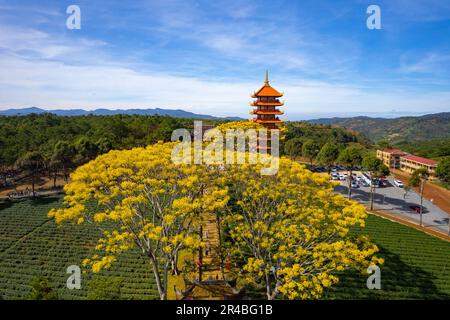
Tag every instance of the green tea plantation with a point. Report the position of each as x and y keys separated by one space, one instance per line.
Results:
x=417 y=266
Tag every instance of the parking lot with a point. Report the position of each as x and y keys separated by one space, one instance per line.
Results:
x=391 y=199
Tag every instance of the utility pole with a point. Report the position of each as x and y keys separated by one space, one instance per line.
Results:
x=421 y=201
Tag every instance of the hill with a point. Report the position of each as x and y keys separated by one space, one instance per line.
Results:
x=397 y=130
x=107 y=112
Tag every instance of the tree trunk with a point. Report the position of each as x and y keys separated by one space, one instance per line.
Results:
x=65 y=173
x=32 y=183
x=165 y=276
x=162 y=293
x=55 y=175
x=372 y=194
x=268 y=290
x=421 y=201
x=174 y=264
x=349 y=183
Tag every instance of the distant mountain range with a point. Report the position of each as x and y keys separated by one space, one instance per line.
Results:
x=106 y=112
x=397 y=130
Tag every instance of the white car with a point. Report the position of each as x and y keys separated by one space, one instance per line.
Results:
x=398 y=183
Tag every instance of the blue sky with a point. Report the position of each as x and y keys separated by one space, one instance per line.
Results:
x=207 y=56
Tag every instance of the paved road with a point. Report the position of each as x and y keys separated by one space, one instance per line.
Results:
x=391 y=200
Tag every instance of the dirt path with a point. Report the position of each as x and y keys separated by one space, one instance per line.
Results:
x=42 y=187
x=440 y=196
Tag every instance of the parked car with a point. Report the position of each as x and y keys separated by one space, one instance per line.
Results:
x=398 y=183
x=354 y=184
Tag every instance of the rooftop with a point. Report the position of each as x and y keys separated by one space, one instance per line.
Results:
x=394 y=151
x=266 y=90
x=421 y=160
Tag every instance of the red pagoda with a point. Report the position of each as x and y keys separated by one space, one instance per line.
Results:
x=266 y=107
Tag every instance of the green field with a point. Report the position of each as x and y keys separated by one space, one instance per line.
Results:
x=33 y=245
x=417 y=266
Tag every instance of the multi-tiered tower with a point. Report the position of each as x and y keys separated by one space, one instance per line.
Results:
x=266 y=107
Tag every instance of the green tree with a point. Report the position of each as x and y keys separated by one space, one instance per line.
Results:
x=101 y=288
x=384 y=144
x=310 y=149
x=3 y=167
x=42 y=290
x=376 y=169
x=85 y=150
x=406 y=189
x=443 y=169
x=63 y=157
x=418 y=179
x=32 y=164
x=351 y=157
x=328 y=155
x=293 y=147
x=104 y=145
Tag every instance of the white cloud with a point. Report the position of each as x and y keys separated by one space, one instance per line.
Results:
x=54 y=85
x=430 y=63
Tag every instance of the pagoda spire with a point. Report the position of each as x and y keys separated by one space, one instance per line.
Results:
x=266 y=82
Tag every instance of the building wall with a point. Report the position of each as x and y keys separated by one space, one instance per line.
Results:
x=390 y=160
x=409 y=166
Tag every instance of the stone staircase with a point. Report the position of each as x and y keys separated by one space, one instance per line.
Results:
x=213 y=283
x=211 y=251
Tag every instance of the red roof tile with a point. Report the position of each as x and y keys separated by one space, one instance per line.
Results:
x=421 y=160
x=267 y=91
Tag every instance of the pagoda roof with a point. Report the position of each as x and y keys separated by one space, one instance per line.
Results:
x=266 y=90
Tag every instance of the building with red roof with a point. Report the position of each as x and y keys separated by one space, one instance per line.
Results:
x=391 y=157
x=398 y=159
x=409 y=163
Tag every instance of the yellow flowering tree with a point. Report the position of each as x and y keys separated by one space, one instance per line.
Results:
x=151 y=203
x=243 y=125
x=296 y=230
